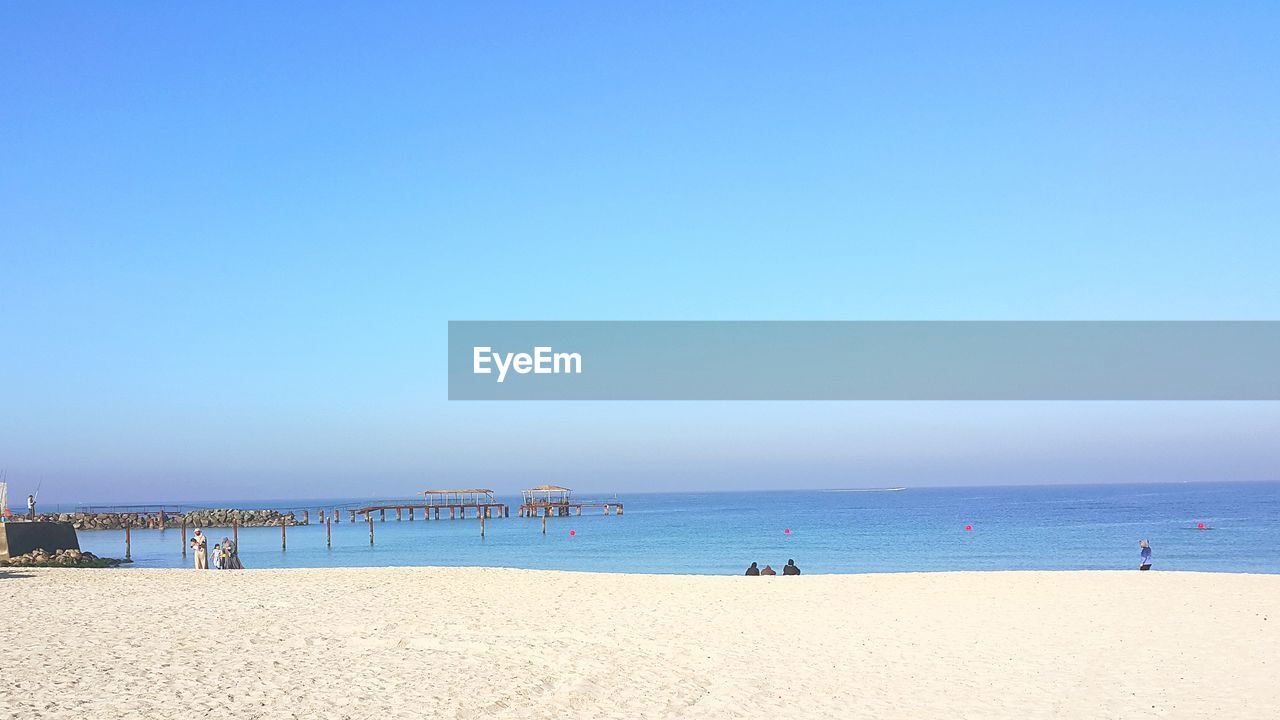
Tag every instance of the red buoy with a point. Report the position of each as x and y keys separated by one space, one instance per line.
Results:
x=572 y=533
x=1199 y=526
x=968 y=527
x=786 y=531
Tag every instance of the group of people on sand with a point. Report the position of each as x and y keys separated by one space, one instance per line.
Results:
x=224 y=555
x=791 y=569
x=788 y=569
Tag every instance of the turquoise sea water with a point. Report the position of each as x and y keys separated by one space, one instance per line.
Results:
x=1048 y=528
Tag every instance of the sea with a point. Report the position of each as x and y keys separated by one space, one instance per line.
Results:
x=1219 y=527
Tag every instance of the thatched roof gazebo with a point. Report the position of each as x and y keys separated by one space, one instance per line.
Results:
x=465 y=496
x=554 y=500
x=546 y=495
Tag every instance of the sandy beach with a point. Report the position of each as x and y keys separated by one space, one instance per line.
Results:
x=480 y=643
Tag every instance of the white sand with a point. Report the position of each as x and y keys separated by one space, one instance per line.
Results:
x=427 y=642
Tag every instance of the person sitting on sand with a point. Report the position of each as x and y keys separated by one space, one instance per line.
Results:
x=768 y=570
x=753 y=570
x=1146 y=555
x=790 y=568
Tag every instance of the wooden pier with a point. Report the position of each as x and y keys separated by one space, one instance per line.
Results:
x=542 y=502
x=477 y=502
x=555 y=501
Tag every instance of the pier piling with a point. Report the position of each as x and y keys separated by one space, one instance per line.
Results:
x=328 y=534
x=184 y=536
x=235 y=533
x=127 y=543
x=282 y=538
x=370 y=516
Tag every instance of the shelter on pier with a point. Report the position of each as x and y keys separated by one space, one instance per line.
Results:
x=547 y=495
x=466 y=496
x=554 y=500
x=458 y=501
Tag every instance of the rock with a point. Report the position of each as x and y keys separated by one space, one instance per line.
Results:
x=60 y=558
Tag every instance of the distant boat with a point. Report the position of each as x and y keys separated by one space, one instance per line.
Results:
x=892 y=489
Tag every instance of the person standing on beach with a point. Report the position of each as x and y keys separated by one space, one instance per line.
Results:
x=754 y=570
x=1146 y=555
x=790 y=568
x=230 y=556
x=202 y=550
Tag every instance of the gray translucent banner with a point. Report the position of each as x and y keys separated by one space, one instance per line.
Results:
x=661 y=360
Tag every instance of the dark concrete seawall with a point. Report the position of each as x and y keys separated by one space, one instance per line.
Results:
x=19 y=538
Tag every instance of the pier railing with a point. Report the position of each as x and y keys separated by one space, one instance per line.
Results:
x=135 y=509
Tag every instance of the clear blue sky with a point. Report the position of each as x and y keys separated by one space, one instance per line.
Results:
x=231 y=236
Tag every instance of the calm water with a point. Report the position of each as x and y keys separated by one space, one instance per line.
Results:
x=1048 y=528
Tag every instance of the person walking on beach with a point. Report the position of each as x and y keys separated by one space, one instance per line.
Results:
x=768 y=570
x=217 y=557
x=790 y=568
x=201 y=545
x=1146 y=555
x=754 y=570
